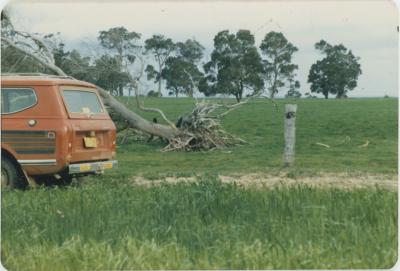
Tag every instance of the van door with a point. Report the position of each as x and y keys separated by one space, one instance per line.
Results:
x=26 y=139
x=93 y=132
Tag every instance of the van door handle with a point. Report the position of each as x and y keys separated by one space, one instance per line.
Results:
x=32 y=123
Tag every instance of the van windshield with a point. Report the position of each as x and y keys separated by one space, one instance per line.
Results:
x=85 y=102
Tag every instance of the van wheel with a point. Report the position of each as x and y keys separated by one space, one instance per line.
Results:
x=65 y=180
x=11 y=176
x=50 y=180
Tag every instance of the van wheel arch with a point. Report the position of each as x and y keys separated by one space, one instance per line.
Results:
x=5 y=153
x=11 y=165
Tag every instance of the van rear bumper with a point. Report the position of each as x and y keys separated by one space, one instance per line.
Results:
x=94 y=167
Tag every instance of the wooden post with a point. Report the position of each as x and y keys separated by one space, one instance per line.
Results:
x=290 y=134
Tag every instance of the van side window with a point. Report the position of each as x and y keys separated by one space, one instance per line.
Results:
x=17 y=99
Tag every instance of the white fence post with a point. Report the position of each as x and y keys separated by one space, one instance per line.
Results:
x=290 y=134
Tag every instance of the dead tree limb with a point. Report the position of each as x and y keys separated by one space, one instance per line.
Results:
x=45 y=63
x=132 y=118
x=135 y=84
x=199 y=129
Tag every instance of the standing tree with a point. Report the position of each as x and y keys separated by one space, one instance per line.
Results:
x=337 y=73
x=181 y=72
x=122 y=42
x=80 y=67
x=293 y=91
x=190 y=50
x=74 y=64
x=235 y=66
x=278 y=68
x=109 y=74
x=181 y=76
x=161 y=48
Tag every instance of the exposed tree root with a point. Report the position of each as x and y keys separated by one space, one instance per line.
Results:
x=201 y=130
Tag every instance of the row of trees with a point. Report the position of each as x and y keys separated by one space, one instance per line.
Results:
x=236 y=66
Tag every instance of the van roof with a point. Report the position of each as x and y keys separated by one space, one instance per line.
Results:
x=39 y=79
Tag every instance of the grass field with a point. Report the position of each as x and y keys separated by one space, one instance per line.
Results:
x=204 y=225
x=109 y=223
x=331 y=122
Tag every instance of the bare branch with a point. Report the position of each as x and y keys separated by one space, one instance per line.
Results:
x=21 y=59
x=135 y=84
x=195 y=88
x=39 y=43
x=34 y=56
x=272 y=101
x=133 y=119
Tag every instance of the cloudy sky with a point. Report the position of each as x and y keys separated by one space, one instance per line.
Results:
x=368 y=28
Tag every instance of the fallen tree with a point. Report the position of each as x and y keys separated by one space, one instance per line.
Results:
x=199 y=129
x=134 y=120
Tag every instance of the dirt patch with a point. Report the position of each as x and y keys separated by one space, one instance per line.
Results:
x=343 y=181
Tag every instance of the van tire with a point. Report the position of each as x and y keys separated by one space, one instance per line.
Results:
x=50 y=180
x=11 y=175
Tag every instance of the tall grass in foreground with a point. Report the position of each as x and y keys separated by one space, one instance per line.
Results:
x=202 y=225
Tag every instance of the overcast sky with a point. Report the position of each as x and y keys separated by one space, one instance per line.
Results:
x=368 y=28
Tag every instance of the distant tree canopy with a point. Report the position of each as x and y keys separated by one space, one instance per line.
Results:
x=190 y=50
x=106 y=71
x=337 y=73
x=152 y=93
x=110 y=75
x=293 y=91
x=279 y=71
x=121 y=46
x=161 y=48
x=235 y=66
x=120 y=40
x=181 y=75
x=181 y=71
x=74 y=64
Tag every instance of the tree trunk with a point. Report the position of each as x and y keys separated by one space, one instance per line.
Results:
x=191 y=92
x=273 y=90
x=159 y=87
x=239 y=93
x=159 y=78
x=340 y=96
x=136 y=121
x=237 y=97
x=326 y=95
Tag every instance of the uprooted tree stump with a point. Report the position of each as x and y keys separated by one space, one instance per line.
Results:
x=201 y=130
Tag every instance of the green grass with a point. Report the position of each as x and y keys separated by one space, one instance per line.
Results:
x=324 y=121
x=108 y=223
x=194 y=226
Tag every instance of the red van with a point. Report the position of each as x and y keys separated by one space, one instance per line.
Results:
x=52 y=126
